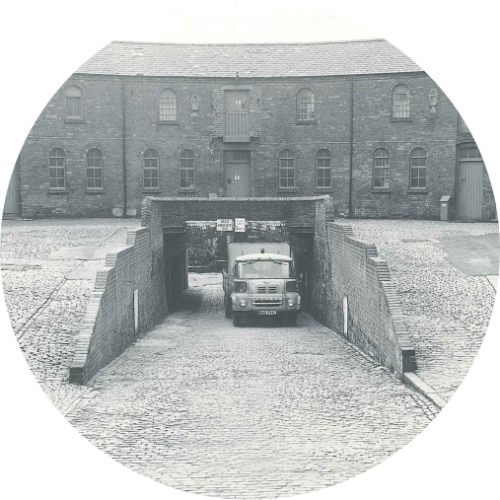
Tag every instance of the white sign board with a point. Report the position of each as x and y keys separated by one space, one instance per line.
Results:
x=225 y=224
x=239 y=225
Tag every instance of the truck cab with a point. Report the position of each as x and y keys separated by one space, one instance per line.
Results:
x=263 y=284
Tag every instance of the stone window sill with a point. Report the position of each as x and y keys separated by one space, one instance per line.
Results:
x=323 y=190
x=75 y=120
x=186 y=190
x=381 y=191
x=95 y=191
x=306 y=122
x=418 y=191
x=168 y=122
x=151 y=191
x=401 y=120
x=58 y=191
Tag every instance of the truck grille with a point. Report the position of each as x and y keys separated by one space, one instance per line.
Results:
x=268 y=302
x=267 y=289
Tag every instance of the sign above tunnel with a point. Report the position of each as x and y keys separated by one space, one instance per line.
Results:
x=240 y=225
x=225 y=224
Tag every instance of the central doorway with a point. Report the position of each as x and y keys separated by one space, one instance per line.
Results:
x=237 y=173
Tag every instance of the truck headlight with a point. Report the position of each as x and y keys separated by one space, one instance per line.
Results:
x=243 y=303
x=291 y=303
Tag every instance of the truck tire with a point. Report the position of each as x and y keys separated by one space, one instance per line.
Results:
x=227 y=306
x=291 y=319
x=237 y=319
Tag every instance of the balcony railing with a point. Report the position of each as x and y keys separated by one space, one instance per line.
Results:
x=236 y=127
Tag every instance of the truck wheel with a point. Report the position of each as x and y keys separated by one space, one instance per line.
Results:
x=227 y=306
x=237 y=319
x=291 y=319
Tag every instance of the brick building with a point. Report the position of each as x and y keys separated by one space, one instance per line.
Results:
x=357 y=120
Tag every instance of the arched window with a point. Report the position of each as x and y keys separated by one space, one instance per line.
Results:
x=57 y=169
x=286 y=169
x=305 y=105
x=400 y=102
x=381 y=169
x=187 y=169
x=323 y=169
x=74 y=102
x=151 y=173
x=168 y=106
x=94 y=169
x=418 y=169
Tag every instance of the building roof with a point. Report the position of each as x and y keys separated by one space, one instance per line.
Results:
x=357 y=57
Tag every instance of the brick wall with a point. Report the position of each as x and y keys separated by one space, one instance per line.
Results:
x=108 y=326
x=272 y=110
x=346 y=267
x=165 y=212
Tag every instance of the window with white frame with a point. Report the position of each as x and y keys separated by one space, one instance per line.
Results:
x=151 y=171
x=323 y=169
x=401 y=102
x=305 y=105
x=168 y=106
x=187 y=169
x=381 y=169
x=57 y=169
x=286 y=170
x=74 y=103
x=94 y=169
x=418 y=169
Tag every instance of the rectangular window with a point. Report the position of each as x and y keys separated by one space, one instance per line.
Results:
x=187 y=173
x=401 y=106
x=74 y=107
x=381 y=173
x=56 y=173
x=323 y=173
x=287 y=173
x=168 y=108
x=151 y=178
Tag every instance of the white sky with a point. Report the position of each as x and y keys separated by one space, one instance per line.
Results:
x=248 y=21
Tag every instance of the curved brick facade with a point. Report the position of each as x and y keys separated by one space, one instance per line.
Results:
x=352 y=118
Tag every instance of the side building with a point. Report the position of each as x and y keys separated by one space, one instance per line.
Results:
x=356 y=120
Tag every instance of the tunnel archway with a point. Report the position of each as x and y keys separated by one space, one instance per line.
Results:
x=182 y=220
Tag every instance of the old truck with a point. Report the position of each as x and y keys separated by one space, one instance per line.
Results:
x=260 y=281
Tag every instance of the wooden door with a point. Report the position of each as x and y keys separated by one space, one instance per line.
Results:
x=12 y=205
x=237 y=173
x=470 y=184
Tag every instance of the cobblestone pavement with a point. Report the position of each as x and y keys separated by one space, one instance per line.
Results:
x=44 y=302
x=447 y=310
x=262 y=411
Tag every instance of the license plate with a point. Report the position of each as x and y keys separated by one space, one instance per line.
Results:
x=267 y=313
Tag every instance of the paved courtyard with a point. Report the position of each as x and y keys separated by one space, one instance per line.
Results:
x=261 y=411
x=445 y=276
x=46 y=290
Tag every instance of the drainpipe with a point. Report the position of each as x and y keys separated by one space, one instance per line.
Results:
x=351 y=139
x=124 y=150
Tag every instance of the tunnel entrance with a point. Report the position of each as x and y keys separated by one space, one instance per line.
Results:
x=198 y=247
x=176 y=222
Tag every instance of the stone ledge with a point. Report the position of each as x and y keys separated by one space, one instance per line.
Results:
x=416 y=383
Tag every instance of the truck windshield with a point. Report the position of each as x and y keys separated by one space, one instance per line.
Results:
x=264 y=269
